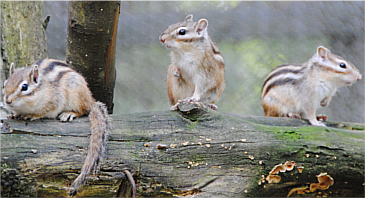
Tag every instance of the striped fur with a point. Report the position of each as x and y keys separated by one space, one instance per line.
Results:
x=197 y=69
x=283 y=74
x=298 y=90
x=55 y=90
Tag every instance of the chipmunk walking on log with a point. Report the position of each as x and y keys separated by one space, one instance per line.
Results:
x=299 y=90
x=52 y=89
x=196 y=73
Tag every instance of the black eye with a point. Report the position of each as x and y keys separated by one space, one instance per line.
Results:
x=24 y=87
x=182 y=32
x=343 y=65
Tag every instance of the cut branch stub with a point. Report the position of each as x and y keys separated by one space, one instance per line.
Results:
x=194 y=111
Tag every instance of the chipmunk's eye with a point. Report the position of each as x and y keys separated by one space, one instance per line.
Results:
x=24 y=87
x=182 y=32
x=343 y=65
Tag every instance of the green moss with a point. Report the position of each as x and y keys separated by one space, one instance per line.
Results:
x=192 y=125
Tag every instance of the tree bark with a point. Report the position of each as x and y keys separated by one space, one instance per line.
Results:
x=92 y=36
x=195 y=151
x=23 y=38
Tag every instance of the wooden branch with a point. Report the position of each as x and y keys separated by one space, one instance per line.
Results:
x=217 y=154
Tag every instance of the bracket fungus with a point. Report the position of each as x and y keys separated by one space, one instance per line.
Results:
x=300 y=168
x=289 y=165
x=273 y=179
x=273 y=176
x=324 y=182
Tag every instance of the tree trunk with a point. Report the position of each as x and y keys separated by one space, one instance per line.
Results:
x=195 y=151
x=92 y=36
x=23 y=38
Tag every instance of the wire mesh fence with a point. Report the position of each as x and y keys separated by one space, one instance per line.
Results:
x=253 y=37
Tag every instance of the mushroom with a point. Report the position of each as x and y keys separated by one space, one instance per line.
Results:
x=289 y=165
x=313 y=187
x=273 y=179
x=323 y=178
x=299 y=190
x=323 y=186
x=325 y=181
x=300 y=168
x=277 y=168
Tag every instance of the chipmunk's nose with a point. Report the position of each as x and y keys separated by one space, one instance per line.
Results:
x=358 y=78
x=8 y=102
x=161 y=38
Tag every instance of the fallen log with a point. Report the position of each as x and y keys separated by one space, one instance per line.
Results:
x=193 y=151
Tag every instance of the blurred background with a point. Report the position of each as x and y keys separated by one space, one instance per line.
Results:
x=253 y=37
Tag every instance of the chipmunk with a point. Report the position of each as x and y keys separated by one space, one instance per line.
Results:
x=52 y=89
x=299 y=90
x=196 y=73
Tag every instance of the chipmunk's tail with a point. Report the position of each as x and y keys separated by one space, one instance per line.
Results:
x=100 y=127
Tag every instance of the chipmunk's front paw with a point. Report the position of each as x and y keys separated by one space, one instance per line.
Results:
x=325 y=102
x=176 y=72
x=321 y=117
x=213 y=106
x=67 y=116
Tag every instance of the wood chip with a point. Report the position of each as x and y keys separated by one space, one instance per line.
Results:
x=161 y=146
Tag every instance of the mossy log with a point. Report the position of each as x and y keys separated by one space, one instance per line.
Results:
x=193 y=151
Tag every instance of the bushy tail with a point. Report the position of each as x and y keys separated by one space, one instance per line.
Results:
x=100 y=127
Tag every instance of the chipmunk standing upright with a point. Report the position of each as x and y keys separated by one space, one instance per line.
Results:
x=299 y=90
x=51 y=89
x=196 y=73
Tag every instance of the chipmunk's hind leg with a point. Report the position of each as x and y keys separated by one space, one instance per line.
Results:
x=293 y=115
x=174 y=107
x=27 y=117
x=272 y=110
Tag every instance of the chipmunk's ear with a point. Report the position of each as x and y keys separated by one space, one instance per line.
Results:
x=201 y=25
x=12 y=69
x=322 y=52
x=189 y=17
x=34 y=73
